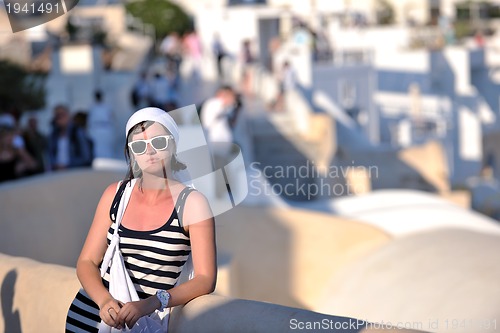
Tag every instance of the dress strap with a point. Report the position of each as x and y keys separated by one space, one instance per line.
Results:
x=181 y=201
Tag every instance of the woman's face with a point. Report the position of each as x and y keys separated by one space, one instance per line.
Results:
x=156 y=158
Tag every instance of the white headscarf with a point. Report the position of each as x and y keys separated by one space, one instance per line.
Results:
x=162 y=117
x=154 y=114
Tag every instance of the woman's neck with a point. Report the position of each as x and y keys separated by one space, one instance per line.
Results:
x=153 y=187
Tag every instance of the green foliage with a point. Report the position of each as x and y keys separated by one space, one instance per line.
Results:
x=165 y=16
x=20 y=89
x=493 y=11
x=462 y=11
x=471 y=17
x=463 y=29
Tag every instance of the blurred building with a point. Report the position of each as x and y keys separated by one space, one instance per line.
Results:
x=388 y=88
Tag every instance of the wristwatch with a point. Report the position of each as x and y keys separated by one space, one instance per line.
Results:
x=163 y=296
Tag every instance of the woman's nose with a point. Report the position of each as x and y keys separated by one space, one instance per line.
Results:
x=150 y=150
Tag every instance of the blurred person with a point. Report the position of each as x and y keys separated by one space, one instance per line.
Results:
x=173 y=87
x=220 y=53
x=273 y=47
x=287 y=82
x=163 y=223
x=488 y=166
x=101 y=126
x=141 y=92
x=216 y=114
x=479 y=39
x=160 y=90
x=11 y=120
x=194 y=51
x=171 y=48
x=247 y=59
x=68 y=147
x=80 y=120
x=236 y=109
x=15 y=161
x=36 y=145
x=447 y=30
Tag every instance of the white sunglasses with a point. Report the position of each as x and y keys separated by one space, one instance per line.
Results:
x=139 y=147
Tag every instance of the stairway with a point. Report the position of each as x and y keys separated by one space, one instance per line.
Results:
x=290 y=160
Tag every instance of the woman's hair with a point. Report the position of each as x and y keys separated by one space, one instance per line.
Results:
x=175 y=164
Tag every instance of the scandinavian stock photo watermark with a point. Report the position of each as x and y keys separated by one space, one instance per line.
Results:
x=327 y=324
x=308 y=180
x=441 y=324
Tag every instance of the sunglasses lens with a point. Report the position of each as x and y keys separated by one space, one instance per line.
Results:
x=160 y=143
x=138 y=147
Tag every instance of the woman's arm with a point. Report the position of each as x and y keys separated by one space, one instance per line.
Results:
x=198 y=219
x=200 y=223
x=87 y=267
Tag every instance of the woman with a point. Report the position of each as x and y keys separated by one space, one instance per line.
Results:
x=154 y=241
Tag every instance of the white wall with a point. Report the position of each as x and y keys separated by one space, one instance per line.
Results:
x=58 y=208
x=402 y=60
x=234 y=24
x=470 y=135
x=376 y=38
x=458 y=60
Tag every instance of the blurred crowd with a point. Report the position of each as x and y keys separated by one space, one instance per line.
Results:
x=71 y=143
x=25 y=151
x=161 y=87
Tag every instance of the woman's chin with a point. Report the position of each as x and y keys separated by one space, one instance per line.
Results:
x=156 y=170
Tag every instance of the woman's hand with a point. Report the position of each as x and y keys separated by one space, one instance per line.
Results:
x=108 y=311
x=131 y=312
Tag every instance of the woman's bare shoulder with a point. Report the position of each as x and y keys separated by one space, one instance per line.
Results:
x=110 y=191
x=196 y=197
x=193 y=195
x=197 y=207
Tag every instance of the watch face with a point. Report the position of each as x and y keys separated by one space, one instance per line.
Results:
x=163 y=297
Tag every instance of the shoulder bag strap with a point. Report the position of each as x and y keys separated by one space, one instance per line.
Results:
x=116 y=211
x=113 y=210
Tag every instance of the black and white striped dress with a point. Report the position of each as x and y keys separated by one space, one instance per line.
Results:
x=154 y=260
